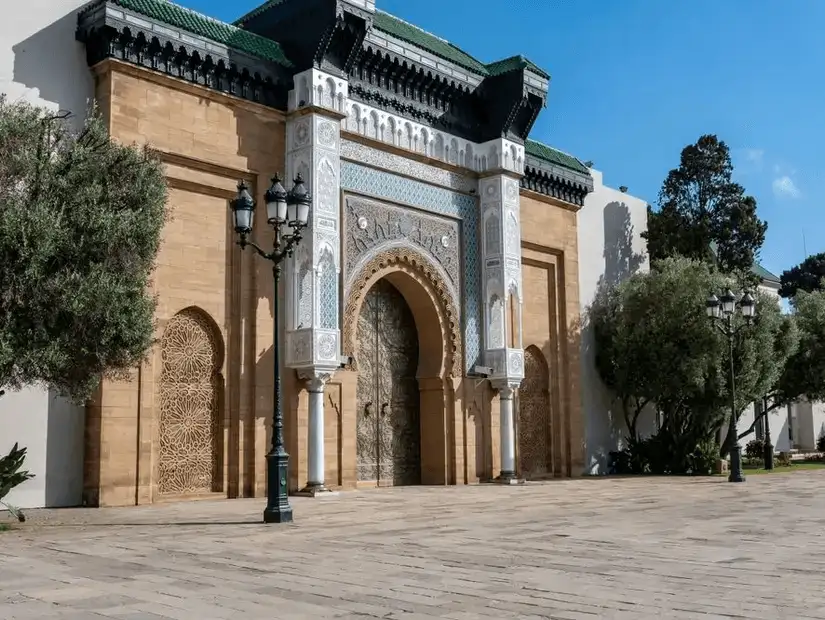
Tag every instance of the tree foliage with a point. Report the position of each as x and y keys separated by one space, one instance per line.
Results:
x=12 y=475
x=703 y=214
x=656 y=346
x=80 y=230
x=803 y=374
x=808 y=276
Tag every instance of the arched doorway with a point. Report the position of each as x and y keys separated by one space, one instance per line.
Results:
x=388 y=437
x=534 y=416
x=189 y=458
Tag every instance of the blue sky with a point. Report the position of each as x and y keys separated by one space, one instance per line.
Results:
x=634 y=81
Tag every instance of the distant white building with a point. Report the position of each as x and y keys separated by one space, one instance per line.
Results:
x=41 y=62
x=610 y=250
x=794 y=428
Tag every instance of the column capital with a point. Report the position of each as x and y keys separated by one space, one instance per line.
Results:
x=505 y=388
x=315 y=379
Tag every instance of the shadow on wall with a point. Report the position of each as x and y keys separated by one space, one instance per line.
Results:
x=620 y=260
x=605 y=428
x=52 y=63
x=64 y=452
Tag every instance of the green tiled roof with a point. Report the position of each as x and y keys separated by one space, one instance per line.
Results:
x=553 y=156
x=256 y=11
x=512 y=63
x=400 y=29
x=196 y=23
x=764 y=274
x=423 y=39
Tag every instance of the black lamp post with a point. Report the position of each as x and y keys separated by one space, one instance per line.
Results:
x=288 y=214
x=721 y=310
x=768 y=444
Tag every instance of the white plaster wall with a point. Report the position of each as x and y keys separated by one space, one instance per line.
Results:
x=780 y=437
x=41 y=62
x=818 y=420
x=51 y=428
x=610 y=249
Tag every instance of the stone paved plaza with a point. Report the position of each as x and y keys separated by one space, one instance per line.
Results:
x=590 y=548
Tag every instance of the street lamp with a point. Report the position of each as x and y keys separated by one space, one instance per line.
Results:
x=768 y=455
x=288 y=214
x=721 y=310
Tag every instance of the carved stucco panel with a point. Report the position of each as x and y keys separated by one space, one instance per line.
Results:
x=371 y=225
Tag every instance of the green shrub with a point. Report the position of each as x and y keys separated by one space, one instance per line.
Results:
x=704 y=458
x=755 y=449
x=820 y=443
x=660 y=455
x=11 y=476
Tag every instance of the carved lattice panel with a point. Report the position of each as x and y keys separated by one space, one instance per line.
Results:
x=189 y=403
x=534 y=416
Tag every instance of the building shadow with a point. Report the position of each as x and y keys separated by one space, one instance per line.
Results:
x=52 y=63
x=605 y=427
x=64 y=452
x=620 y=259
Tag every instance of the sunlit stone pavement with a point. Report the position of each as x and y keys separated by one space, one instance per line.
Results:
x=590 y=548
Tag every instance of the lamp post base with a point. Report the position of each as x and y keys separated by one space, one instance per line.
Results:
x=768 y=456
x=736 y=474
x=277 y=509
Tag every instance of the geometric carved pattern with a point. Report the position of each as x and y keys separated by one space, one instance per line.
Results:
x=534 y=415
x=363 y=154
x=190 y=384
x=448 y=309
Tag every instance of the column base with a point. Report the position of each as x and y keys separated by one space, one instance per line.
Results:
x=508 y=478
x=316 y=490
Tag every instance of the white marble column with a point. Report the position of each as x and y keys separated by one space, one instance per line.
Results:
x=508 y=436
x=315 y=454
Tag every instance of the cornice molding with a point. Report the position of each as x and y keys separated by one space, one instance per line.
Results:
x=109 y=31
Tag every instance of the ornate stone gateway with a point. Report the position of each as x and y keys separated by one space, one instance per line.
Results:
x=389 y=432
x=534 y=416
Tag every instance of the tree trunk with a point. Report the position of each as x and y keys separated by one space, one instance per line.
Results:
x=730 y=438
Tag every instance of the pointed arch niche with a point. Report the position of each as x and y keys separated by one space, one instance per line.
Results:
x=189 y=446
x=534 y=417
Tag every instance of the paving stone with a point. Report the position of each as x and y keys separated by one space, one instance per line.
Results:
x=630 y=549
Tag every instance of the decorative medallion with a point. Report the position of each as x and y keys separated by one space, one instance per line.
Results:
x=516 y=363
x=326 y=347
x=362 y=223
x=302 y=134
x=445 y=241
x=326 y=134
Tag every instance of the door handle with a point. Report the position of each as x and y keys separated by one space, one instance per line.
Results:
x=384 y=409
x=367 y=408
